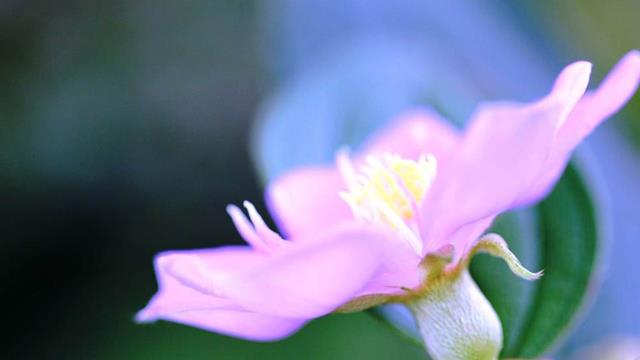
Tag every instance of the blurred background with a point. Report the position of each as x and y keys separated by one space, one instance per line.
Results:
x=125 y=129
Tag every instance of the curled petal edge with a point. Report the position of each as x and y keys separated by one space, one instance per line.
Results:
x=494 y=244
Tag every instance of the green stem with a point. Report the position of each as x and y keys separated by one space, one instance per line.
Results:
x=456 y=321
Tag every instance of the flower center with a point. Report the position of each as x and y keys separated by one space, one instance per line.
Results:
x=389 y=190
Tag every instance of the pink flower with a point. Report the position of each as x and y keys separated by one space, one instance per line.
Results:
x=358 y=232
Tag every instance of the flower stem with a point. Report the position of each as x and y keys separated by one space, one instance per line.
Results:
x=456 y=321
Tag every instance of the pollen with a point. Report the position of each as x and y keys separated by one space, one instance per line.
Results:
x=388 y=188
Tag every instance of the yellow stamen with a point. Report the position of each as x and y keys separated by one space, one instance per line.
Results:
x=388 y=189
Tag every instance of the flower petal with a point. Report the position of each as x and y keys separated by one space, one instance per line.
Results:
x=416 y=132
x=306 y=200
x=314 y=277
x=188 y=302
x=504 y=150
x=612 y=94
x=398 y=271
x=185 y=286
x=306 y=279
x=247 y=325
x=595 y=107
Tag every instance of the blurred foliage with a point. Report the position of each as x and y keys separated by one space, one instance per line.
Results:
x=114 y=145
x=355 y=336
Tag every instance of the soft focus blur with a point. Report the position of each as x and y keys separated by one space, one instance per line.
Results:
x=125 y=129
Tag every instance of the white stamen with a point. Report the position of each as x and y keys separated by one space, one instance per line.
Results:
x=401 y=226
x=245 y=229
x=389 y=190
x=345 y=167
x=268 y=236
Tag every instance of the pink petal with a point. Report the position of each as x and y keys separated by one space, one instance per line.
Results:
x=184 y=305
x=503 y=153
x=315 y=276
x=194 y=305
x=413 y=133
x=595 y=107
x=247 y=325
x=175 y=291
x=306 y=200
x=399 y=270
x=612 y=94
x=303 y=280
x=464 y=237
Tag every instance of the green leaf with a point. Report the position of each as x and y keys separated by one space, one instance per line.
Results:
x=511 y=296
x=564 y=241
x=354 y=95
x=570 y=235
